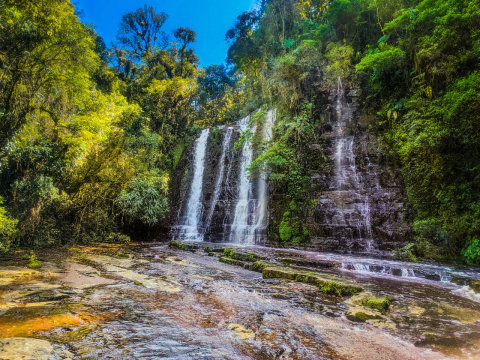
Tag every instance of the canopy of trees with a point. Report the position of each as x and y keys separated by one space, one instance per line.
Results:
x=417 y=65
x=90 y=136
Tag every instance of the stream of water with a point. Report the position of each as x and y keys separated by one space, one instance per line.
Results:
x=189 y=228
x=242 y=231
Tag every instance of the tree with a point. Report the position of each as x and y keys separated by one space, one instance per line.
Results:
x=45 y=54
x=141 y=31
x=185 y=36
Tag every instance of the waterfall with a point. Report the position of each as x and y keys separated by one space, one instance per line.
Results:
x=220 y=176
x=267 y=134
x=189 y=227
x=251 y=211
x=352 y=208
x=236 y=205
x=241 y=231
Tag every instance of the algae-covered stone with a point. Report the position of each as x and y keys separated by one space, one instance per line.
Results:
x=229 y=261
x=258 y=266
x=247 y=256
x=25 y=349
x=242 y=332
x=414 y=310
x=366 y=299
x=475 y=286
x=381 y=304
x=287 y=261
x=361 y=316
x=326 y=286
x=178 y=246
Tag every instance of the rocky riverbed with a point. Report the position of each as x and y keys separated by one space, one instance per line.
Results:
x=187 y=302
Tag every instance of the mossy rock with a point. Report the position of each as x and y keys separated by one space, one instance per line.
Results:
x=178 y=246
x=258 y=266
x=35 y=264
x=380 y=304
x=326 y=286
x=248 y=256
x=360 y=316
x=122 y=255
x=229 y=261
x=287 y=261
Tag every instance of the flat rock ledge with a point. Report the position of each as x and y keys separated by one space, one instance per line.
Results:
x=25 y=349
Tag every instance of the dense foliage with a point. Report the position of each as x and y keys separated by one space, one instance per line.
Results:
x=417 y=64
x=90 y=136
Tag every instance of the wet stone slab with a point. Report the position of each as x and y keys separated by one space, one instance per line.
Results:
x=224 y=311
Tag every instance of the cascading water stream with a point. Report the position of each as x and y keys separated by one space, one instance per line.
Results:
x=261 y=210
x=189 y=227
x=241 y=231
x=352 y=208
x=218 y=185
x=250 y=210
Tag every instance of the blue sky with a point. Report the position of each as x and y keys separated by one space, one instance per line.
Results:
x=209 y=18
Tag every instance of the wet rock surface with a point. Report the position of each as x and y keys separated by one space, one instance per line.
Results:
x=25 y=349
x=361 y=205
x=169 y=303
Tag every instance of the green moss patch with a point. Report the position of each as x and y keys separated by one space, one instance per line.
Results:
x=36 y=264
x=326 y=286
x=380 y=304
x=257 y=266
x=248 y=256
x=178 y=246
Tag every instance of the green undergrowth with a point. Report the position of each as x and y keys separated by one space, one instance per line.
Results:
x=34 y=262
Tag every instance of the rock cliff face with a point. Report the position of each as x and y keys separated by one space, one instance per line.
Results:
x=220 y=186
x=361 y=206
x=220 y=178
x=217 y=200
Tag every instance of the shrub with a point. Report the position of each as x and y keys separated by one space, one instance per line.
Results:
x=194 y=129
x=286 y=232
x=407 y=253
x=34 y=262
x=215 y=133
x=471 y=252
x=8 y=228
x=144 y=200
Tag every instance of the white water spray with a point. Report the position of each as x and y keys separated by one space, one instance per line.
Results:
x=189 y=228
x=262 y=184
x=241 y=232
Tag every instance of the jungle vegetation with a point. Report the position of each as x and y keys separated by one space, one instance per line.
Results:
x=90 y=135
x=416 y=64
